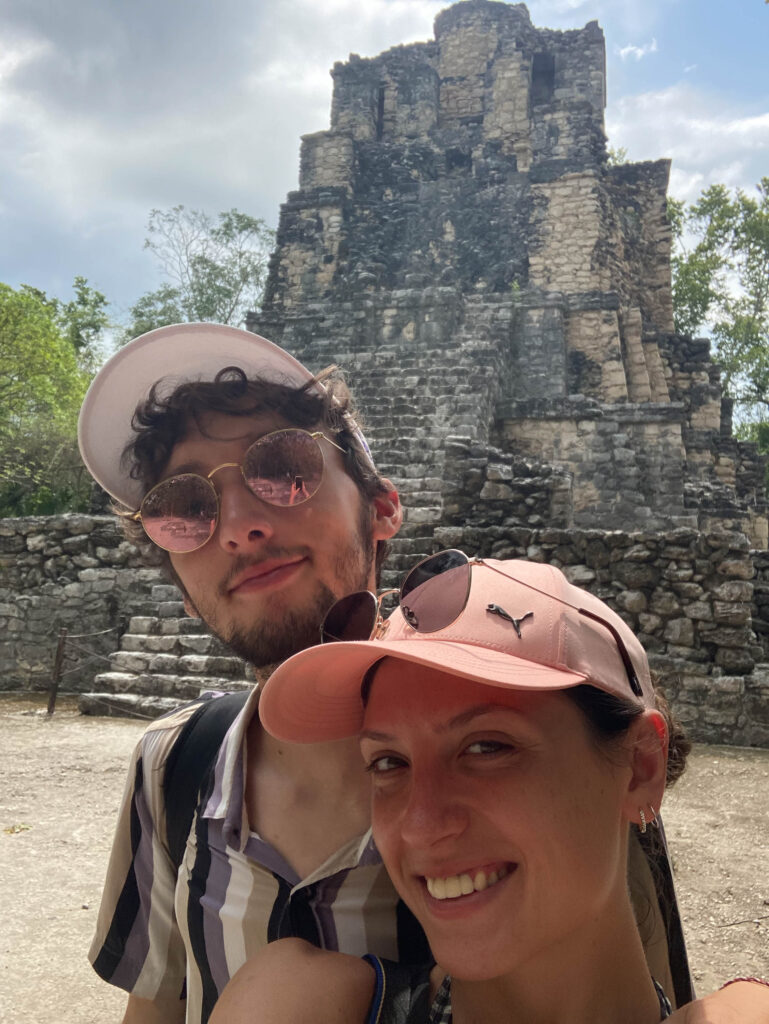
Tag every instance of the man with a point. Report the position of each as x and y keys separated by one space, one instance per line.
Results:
x=252 y=478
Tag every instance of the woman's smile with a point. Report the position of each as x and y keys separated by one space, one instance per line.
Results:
x=451 y=887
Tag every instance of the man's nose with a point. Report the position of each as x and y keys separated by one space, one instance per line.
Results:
x=244 y=520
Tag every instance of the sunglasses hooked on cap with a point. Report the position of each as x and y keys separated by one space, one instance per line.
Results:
x=511 y=624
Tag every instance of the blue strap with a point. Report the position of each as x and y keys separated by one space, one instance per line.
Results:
x=379 y=990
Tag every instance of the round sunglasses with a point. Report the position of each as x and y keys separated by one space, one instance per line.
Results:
x=432 y=596
x=284 y=468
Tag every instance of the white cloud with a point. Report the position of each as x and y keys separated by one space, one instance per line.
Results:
x=616 y=17
x=637 y=52
x=707 y=140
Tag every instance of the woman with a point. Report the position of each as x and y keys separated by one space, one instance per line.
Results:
x=513 y=736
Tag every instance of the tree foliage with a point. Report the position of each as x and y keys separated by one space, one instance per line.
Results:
x=721 y=286
x=82 y=320
x=41 y=387
x=215 y=269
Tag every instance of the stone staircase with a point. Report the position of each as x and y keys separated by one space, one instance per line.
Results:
x=164 y=660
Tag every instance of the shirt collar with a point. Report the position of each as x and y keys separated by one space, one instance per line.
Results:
x=227 y=799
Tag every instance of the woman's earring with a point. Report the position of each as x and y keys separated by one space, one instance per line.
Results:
x=655 y=819
x=643 y=820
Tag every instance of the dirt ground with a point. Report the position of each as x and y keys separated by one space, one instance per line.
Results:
x=62 y=781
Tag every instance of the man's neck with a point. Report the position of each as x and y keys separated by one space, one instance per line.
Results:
x=306 y=799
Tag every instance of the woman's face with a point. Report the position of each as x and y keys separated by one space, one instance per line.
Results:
x=500 y=821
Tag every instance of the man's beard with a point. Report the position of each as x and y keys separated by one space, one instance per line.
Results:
x=269 y=641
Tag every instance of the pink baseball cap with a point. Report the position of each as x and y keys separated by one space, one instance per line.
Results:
x=524 y=626
x=171 y=355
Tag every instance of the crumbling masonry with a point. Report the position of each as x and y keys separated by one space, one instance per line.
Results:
x=500 y=298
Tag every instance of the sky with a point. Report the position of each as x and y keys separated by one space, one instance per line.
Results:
x=111 y=108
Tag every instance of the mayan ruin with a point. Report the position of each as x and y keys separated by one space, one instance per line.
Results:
x=499 y=296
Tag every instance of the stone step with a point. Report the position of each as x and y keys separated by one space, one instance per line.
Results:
x=172 y=643
x=125 y=705
x=157 y=684
x=152 y=625
x=173 y=664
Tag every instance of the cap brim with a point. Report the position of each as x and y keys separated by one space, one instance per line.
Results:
x=104 y=427
x=315 y=696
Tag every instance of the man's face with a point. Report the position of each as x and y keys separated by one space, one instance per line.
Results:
x=267 y=576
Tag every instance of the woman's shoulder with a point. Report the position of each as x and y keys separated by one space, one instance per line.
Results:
x=293 y=980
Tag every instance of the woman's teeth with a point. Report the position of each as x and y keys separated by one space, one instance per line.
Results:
x=462 y=885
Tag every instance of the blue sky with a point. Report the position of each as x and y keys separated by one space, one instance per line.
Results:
x=109 y=108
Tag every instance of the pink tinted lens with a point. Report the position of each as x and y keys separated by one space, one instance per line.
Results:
x=284 y=468
x=180 y=513
x=435 y=591
x=351 y=618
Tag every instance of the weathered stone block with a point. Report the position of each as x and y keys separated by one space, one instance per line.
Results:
x=734 y=659
x=680 y=632
x=699 y=610
x=741 y=568
x=579 y=575
x=649 y=623
x=734 y=591
x=632 y=601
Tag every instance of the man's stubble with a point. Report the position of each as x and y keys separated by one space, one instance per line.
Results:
x=268 y=642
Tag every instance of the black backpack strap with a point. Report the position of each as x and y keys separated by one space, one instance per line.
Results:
x=190 y=762
x=654 y=846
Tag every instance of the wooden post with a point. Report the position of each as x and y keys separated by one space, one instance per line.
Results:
x=57 y=663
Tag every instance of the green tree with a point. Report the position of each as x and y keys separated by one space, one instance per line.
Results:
x=721 y=285
x=215 y=269
x=41 y=388
x=82 y=320
x=616 y=156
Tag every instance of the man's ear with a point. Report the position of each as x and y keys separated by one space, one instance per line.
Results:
x=647 y=746
x=387 y=513
x=189 y=607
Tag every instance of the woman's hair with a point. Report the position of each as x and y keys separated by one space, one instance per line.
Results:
x=610 y=717
x=162 y=420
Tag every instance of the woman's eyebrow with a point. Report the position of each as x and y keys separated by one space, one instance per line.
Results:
x=463 y=718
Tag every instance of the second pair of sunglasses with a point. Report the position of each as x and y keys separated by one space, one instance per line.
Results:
x=432 y=596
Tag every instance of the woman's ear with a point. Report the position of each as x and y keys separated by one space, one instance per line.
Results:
x=387 y=513
x=647 y=747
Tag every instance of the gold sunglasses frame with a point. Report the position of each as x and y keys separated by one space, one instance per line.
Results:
x=316 y=435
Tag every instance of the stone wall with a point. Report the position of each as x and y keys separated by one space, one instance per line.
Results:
x=70 y=571
x=500 y=298
x=690 y=597
x=459 y=219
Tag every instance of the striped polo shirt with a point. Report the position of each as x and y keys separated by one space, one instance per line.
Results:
x=161 y=935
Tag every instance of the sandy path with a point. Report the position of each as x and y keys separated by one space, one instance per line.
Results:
x=62 y=780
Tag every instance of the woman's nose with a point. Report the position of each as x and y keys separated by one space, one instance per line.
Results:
x=433 y=811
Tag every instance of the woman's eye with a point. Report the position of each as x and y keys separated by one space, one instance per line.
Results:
x=488 y=747
x=383 y=764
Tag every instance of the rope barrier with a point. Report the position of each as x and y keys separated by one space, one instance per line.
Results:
x=83 y=636
x=85 y=650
